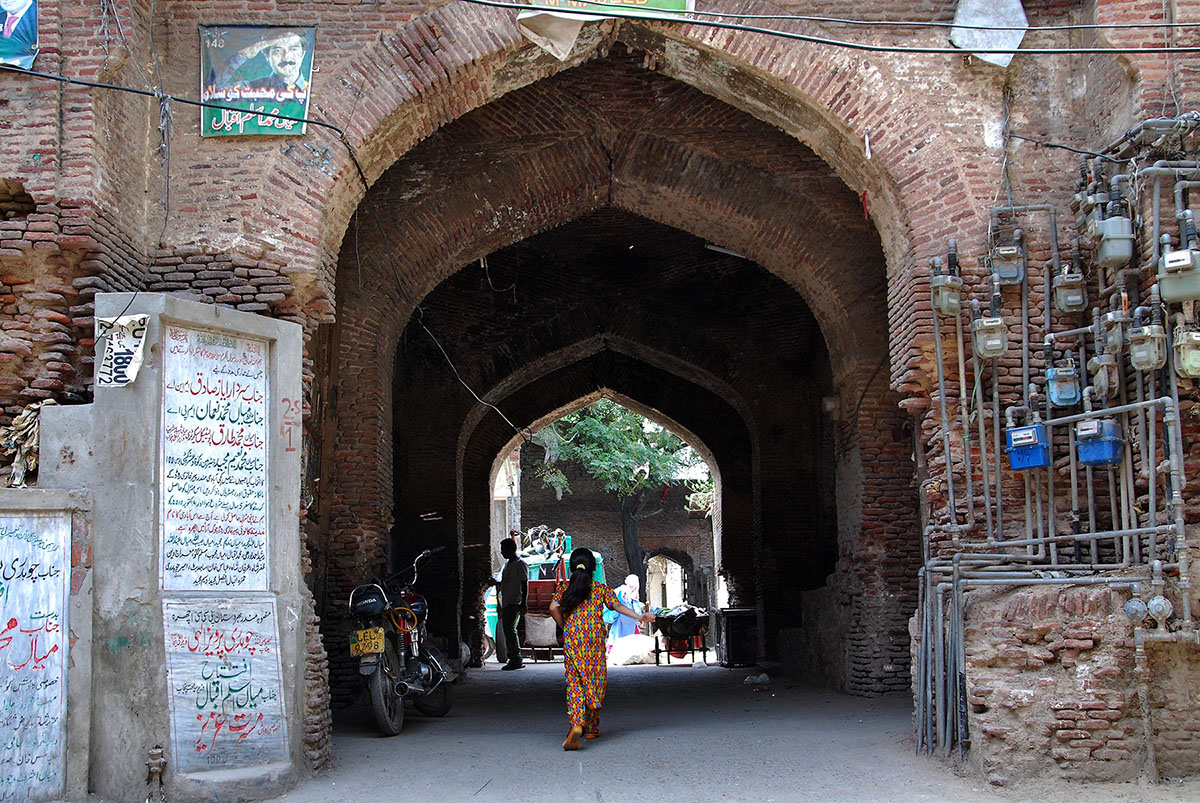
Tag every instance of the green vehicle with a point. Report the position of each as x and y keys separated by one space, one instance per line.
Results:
x=542 y=568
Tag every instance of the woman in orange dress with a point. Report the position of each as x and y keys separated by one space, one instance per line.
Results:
x=578 y=608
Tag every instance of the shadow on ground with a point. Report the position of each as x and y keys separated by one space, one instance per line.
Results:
x=673 y=733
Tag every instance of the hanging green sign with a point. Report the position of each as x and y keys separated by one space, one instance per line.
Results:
x=258 y=76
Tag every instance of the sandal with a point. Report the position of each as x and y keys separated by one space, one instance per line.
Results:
x=591 y=734
x=572 y=740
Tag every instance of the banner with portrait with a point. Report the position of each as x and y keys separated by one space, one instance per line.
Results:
x=18 y=32
x=259 y=75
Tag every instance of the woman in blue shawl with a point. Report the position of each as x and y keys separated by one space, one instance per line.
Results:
x=627 y=595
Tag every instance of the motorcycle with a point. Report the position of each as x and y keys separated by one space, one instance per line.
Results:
x=394 y=649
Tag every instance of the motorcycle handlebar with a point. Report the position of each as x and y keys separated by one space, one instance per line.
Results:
x=392 y=580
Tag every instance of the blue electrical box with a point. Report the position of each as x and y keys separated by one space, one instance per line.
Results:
x=1098 y=442
x=1062 y=386
x=1028 y=447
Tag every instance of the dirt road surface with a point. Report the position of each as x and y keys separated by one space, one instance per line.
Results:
x=677 y=734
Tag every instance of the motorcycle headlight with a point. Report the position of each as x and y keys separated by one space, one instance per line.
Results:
x=369 y=602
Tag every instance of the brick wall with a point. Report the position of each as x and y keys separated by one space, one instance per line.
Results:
x=473 y=140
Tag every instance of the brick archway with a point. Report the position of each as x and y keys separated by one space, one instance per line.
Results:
x=502 y=173
x=813 y=94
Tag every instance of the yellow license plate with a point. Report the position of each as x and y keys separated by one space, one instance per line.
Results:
x=366 y=642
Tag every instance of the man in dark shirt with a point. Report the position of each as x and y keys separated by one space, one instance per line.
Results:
x=513 y=593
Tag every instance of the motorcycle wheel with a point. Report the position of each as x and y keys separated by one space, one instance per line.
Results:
x=489 y=647
x=436 y=703
x=387 y=705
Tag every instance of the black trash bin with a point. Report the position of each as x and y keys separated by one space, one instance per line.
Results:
x=739 y=639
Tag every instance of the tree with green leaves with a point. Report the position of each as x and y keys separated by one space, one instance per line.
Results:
x=628 y=454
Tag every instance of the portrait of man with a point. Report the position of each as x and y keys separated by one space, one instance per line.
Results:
x=265 y=71
x=285 y=55
x=18 y=32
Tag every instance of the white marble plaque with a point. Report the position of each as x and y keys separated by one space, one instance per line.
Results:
x=225 y=684
x=214 y=462
x=35 y=571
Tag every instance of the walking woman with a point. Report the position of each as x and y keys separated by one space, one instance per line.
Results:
x=578 y=608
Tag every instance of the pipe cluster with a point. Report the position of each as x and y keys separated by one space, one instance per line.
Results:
x=1094 y=444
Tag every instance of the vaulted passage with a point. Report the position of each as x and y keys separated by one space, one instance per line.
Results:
x=610 y=231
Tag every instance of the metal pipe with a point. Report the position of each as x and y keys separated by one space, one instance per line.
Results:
x=996 y=448
x=935 y=265
x=1116 y=582
x=965 y=426
x=977 y=394
x=1180 y=204
x=1157 y=125
x=1164 y=402
x=1151 y=468
x=1142 y=673
x=1066 y=539
x=1113 y=516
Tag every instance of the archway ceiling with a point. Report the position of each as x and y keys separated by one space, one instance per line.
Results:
x=611 y=132
x=613 y=274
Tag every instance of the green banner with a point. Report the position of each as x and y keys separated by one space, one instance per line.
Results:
x=259 y=75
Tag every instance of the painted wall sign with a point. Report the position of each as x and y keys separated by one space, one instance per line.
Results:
x=35 y=568
x=225 y=683
x=123 y=341
x=214 y=462
x=255 y=69
x=18 y=33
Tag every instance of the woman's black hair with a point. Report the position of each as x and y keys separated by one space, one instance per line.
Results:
x=581 y=567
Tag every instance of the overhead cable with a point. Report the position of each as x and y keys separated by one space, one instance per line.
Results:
x=839 y=43
x=904 y=23
x=163 y=96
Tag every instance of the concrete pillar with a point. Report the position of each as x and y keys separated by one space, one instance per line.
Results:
x=194 y=466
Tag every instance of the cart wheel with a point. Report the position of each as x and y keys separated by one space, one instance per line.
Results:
x=489 y=647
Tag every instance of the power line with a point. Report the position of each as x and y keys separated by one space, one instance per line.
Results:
x=162 y=96
x=841 y=43
x=892 y=23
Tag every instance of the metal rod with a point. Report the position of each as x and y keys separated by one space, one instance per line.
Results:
x=941 y=379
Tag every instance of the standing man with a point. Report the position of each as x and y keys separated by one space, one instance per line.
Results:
x=513 y=592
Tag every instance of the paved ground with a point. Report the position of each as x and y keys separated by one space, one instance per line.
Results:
x=674 y=734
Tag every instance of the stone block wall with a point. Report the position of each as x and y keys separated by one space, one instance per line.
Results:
x=1053 y=690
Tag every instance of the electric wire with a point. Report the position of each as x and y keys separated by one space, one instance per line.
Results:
x=1045 y=144
x=164 y=98
x=898 y=23
x=524 y=432
x=419 y=317
x=840 y=43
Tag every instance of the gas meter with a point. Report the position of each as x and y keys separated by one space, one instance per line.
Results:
x=1114 y=330
x=1027 y=447
x=1179 y=271
x=946 y=288
x=1098 y=442
x=1179 y=275
x=1112 y=241
x=1105 y=377
x=947 y=294
x=1008 y=261
x=1070 y=292
x=1062 y=385
x=1187 y=353
x=990 y=337
x=1147 y=346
